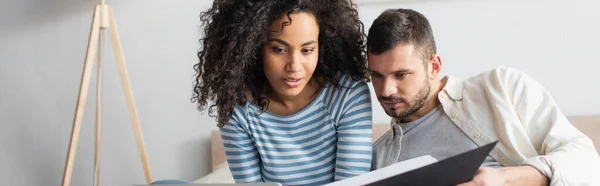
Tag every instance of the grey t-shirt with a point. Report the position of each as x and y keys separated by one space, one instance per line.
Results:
x=433 y=134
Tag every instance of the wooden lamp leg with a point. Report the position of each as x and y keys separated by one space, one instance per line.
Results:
x=83 y=92
x=129 y=95
x=98 y=114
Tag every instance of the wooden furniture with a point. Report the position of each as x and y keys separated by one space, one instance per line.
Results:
x=102 y=20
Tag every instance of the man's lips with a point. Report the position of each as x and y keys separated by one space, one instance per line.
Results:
x=392 y=104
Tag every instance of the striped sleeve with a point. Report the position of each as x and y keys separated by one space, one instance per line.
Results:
x=242 y=155
x=354 y=145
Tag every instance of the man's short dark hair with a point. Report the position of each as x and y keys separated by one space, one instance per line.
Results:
x=397 y=26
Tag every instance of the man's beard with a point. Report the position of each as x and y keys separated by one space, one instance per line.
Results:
x=413 y=106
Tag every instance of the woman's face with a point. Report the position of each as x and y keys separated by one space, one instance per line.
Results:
x=290 y=56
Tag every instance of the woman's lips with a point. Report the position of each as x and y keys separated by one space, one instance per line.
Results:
x=293 y=82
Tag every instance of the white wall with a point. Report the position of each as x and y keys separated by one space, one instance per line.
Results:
x=42 y=49
x=554 y=41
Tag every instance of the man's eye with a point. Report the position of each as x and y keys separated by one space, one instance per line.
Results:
x=401 y=75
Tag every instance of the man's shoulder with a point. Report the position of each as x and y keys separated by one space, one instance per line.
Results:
x=501 y=75
x=500 y=72
x=501 y=78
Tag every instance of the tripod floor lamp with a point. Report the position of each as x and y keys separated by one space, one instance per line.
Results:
x=103 y=20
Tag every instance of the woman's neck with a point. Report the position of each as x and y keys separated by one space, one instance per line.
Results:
x=287 y=105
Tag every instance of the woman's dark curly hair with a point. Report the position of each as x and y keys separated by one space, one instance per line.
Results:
x=235 y=32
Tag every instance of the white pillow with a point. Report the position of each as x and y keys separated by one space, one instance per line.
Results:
x=221 y=174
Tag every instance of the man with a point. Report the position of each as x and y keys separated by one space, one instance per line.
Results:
x=444 y=117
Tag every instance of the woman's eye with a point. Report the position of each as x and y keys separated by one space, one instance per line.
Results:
x=278 y=50
x=376 y=75
x=307 y=50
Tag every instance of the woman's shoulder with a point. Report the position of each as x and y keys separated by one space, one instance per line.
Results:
x=347 y=83
x=348 y=87
x=242 y=111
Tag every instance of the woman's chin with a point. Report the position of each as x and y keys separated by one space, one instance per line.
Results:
x=290 y=92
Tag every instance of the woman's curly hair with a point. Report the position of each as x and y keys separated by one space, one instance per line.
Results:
x=235 y=31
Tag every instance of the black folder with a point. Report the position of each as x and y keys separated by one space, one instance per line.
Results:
x=450 y=171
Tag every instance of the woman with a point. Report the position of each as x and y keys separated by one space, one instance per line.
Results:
x=288 y=81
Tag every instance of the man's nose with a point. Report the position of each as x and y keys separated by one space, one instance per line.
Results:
x=388 y=88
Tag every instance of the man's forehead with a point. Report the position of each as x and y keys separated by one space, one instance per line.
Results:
x=390 y=64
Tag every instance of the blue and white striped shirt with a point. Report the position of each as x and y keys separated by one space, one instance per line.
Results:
x=330 y=139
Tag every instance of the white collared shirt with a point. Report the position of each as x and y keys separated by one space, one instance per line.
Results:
x=505 y=104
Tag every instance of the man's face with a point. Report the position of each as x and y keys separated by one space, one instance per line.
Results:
x=400 y=79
